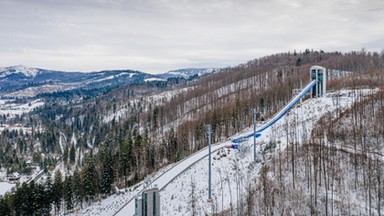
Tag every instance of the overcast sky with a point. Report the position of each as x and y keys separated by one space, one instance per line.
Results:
x=159 y=35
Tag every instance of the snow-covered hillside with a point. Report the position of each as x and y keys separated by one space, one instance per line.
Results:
x=34 y=91
x=10 y=108
x=188 y=72
x=23 y=81
x=130 y=75
x=233 y=171
x=18 y=69
x=146 y=101
x=5 y=187
x=154 y=79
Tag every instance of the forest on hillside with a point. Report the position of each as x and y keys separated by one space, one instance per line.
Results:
x=100 y=154
x=340 y=167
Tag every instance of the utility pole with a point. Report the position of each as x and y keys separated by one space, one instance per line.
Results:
x=254 y=134
x=209 y=131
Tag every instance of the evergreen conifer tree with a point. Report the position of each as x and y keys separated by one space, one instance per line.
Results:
x=68 y=193
x=89 y=179
x=5 y=206
x=107 y=176
x=57 y=190
x=77 y=188
x=72 y=154
x=48 y=198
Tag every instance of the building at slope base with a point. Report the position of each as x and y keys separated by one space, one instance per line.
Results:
x=148 y=204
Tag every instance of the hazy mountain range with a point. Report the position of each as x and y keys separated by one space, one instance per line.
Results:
x=23 y=81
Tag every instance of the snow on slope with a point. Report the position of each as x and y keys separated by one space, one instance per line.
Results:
x=154 y=79
x=5 y=187
x=11 y=109
x=130 y=75
x=176 y=183
x=110 y=205
x=33 y=91
x=224 y=175
x=154 y=100
x=18 y=69
x=188 y=72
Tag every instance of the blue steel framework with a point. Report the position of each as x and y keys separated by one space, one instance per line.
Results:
x=279 y=115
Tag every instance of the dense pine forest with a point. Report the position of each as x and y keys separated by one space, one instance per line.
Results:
x=117 y=137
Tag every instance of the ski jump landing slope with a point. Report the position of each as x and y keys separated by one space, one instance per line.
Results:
x=163 y=180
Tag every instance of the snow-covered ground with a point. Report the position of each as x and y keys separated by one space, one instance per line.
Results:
x=154 y=100
x=5 y=187
x=154 y=79
x=176 y=197
x=232 y=171
x=18 y=69
x=112 y=204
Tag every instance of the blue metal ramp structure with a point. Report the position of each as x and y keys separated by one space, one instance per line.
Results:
x=278 y=115
x=244 y=138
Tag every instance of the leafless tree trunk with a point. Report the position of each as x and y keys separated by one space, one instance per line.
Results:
x=193 y=197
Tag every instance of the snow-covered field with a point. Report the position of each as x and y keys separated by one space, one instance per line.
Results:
x=5 y=187
x=11 y=109
x=232 y=171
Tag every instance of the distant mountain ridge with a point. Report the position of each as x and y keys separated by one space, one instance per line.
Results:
x=18 y=79
x=18 y=69
x=187 y=73
x=24 y=81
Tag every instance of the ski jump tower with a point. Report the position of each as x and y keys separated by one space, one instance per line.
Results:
x=320 y=75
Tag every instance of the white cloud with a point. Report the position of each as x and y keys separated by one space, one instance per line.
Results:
x=160 y=35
